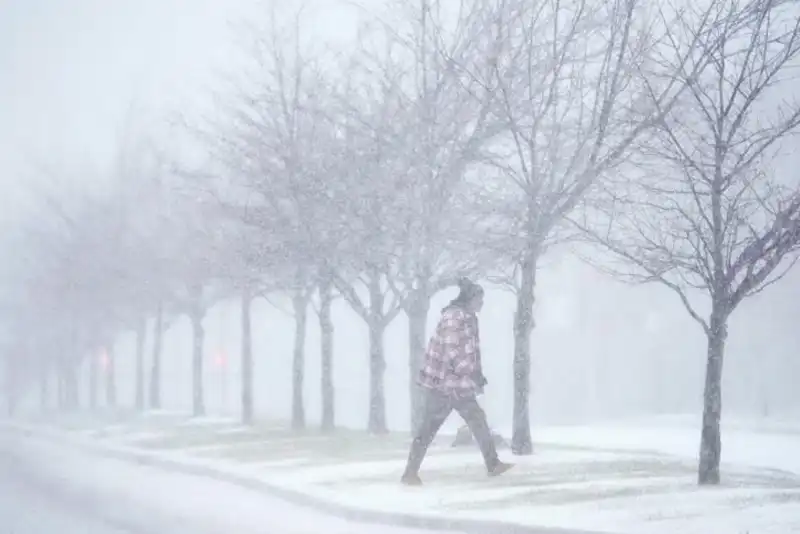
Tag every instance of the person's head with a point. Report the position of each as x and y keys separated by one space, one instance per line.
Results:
x=470 y=295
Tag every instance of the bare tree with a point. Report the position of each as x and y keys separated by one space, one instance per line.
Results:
x=706 y=211
x=444 y=128
x=154 y=384
x=81 y=278
x=255 y=265
x=367 y=200
x=198 y=270
x=144 y=245
x=326 y=328
x=572 y=98
x=157 y=224
x=254 y=269
x=275 y=148
x=408 y=127
x=287 y=137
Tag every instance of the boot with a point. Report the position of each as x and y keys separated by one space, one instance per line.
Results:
x=499 y=468
x=411 y=479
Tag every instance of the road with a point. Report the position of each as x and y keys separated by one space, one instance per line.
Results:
x=46 y=488
x=29 y=507
x=36 y=499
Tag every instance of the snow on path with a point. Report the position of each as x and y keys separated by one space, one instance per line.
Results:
x=679 y=436
x=659 y=503
x=194 y=500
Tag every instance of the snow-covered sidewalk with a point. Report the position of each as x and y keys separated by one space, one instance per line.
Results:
x=765 y=444
x=635 y=476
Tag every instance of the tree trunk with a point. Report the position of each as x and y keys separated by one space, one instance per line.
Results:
x=710 y=438
x=155 y=365
x=111 y=380
x=141 y=331
x=247 y=358
x=521 y=443
x=70 y=370
x=11 y=381
x=300 y=304
x=417 y=311
x=43 y=390
x=92 y=381
x=376 y=423
x=377 y=365
x=61 y=395
x=73 y=398
x=326 y=352
x=198 y=339
x=11 y=399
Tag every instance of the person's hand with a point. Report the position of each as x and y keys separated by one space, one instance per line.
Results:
x=481 y=381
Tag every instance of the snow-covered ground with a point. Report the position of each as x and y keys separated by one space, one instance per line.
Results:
x=183 y=503
x=768 y=444
x=633 y=476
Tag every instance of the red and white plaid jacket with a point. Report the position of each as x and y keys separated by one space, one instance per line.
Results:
x=452 y=361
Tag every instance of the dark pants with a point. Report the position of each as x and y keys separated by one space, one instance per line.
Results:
x=437 y=408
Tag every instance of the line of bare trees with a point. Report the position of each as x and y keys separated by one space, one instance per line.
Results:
x=450 y=138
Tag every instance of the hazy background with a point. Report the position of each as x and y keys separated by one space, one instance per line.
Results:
x=70 y=74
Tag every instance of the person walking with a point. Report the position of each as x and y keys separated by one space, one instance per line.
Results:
x=451 y=379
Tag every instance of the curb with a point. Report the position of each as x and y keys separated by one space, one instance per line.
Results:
x=349 y=513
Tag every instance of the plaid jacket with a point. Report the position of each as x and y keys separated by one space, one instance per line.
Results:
x=452 y=362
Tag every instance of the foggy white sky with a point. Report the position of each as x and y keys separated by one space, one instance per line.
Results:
x=70 y=71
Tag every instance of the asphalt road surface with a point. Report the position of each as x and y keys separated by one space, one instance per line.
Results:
x=29 y=507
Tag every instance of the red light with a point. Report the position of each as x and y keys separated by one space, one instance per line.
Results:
x=105 y=361
x=221 y=359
